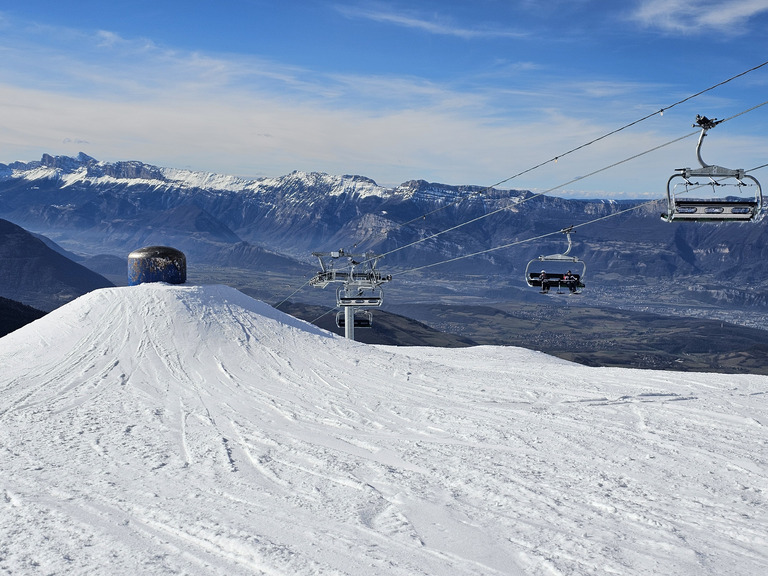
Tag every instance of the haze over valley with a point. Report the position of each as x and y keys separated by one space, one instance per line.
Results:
x=447 y=248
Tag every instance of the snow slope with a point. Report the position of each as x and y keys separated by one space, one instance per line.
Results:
x=164 y=429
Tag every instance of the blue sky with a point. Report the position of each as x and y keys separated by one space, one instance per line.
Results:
x=469 y=92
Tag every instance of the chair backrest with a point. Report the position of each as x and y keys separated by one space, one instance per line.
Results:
x=551 y=276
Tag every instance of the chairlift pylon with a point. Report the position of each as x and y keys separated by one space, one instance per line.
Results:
x=554 y=267
x=715 y=208
x=359 y=286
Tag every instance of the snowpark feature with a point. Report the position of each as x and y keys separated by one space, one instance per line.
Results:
x=162 y=429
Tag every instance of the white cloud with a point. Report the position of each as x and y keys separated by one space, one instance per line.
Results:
x=118 y=99
x=699 y=16
x=435 y=25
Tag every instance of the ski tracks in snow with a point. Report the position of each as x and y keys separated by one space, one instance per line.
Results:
x=178 y=442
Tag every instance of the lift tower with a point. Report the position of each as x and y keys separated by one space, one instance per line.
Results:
x=359 y=286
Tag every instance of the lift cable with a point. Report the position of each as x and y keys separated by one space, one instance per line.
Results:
x=520 y=201
x=325 y=314
x=519 y=242
x=284 y=300
x=532 y=239
x=527 y=240
x=584 y=145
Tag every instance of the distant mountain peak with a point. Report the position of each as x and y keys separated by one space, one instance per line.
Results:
x=67 y=163
x=86 y=168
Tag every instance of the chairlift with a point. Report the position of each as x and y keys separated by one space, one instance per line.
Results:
x=361 y=319
x=353 y=269
x=555 y=267
x=720 y=206
x=360 y=286
x=357 y=295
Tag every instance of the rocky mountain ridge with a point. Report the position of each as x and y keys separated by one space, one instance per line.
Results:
x=465 y=240
x=35 y=274
x=295 y=213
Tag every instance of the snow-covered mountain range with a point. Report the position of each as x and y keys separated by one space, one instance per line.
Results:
x=111 y=206
x=464 y=240
x=193 y=430
x=85 y=169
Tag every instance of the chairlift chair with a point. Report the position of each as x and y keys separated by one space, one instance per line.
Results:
x=716 y=208
x=360 y=296
x=556 y=266
x=361 y=319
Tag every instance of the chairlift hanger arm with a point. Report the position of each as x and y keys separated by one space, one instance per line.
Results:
x=567 y=232
x=708 y=169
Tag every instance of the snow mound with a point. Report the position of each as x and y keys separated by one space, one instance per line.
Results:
x=193 y=430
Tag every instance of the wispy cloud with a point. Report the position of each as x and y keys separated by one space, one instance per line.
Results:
x=699 y=16
x=414 y=20
x=104 y=65
x=118 y=98
x=131 y=99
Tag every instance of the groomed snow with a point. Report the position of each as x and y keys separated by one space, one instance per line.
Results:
x=164 y=429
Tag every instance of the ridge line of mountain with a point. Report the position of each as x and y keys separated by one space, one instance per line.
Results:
x=85 y=168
